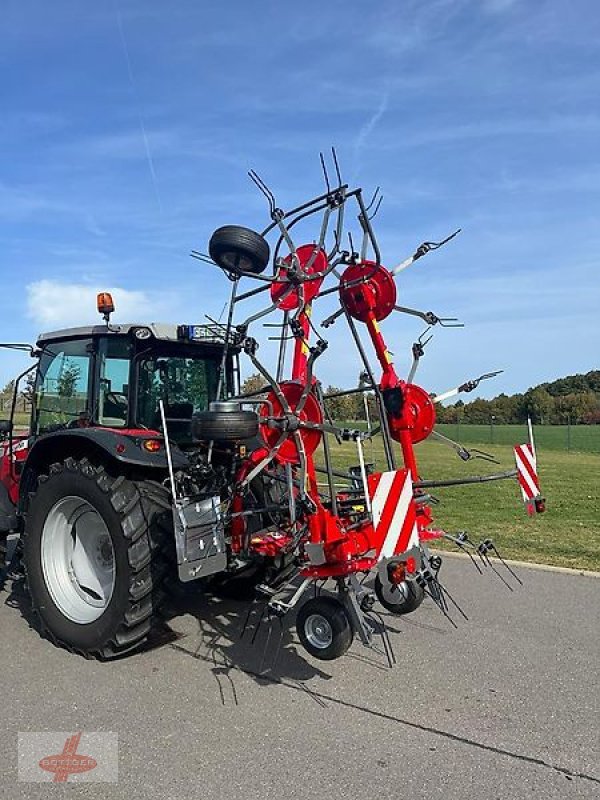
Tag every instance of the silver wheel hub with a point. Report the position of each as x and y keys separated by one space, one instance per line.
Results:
x=395 y=593
x=78 y=560
x=318 y=631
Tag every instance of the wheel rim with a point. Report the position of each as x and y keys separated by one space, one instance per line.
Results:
x=318 y=631
x=395 y=593
x=78 y=560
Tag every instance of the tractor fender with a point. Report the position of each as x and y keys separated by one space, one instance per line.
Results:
x=121 y=448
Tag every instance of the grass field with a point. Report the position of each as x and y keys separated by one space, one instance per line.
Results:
x=568 y=534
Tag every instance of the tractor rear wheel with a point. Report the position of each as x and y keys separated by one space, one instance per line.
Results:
x=95 y=553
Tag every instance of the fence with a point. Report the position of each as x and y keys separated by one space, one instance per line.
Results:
x=577 y=438
x=23 y=405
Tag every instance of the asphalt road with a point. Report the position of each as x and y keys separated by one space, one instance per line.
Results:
x=504 y=707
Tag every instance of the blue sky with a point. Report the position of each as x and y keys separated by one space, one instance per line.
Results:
x=127 y=128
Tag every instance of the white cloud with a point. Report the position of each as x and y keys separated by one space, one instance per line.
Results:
x=54 y=304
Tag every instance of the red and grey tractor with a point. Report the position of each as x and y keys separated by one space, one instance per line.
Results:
x=144 y=464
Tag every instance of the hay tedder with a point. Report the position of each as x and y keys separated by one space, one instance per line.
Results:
x=145 y=465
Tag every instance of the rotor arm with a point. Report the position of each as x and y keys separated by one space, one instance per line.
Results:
x=430 y=318
x=468 y=386
x=422 y=250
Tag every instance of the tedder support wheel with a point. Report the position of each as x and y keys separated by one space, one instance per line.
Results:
x=95 y=551
x=399 y=598
x=324 y=628
x=224 y=426
x=236 y=249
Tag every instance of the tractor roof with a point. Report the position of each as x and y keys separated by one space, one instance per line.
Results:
x=164 y=332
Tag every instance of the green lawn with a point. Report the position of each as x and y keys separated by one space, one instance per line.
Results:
x=568 y=534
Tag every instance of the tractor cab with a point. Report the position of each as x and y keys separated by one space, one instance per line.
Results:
x=113 y=377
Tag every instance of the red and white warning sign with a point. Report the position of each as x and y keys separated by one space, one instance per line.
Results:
x=527 y=471
x=394 y=511
x=527 y=476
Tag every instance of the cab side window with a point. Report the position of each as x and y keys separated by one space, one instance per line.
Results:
x=113 y=395
x=62 y=385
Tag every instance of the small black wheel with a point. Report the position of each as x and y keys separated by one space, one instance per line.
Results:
x=224 y=426
x=324 y=628
x=236 y=250
x=399 y=598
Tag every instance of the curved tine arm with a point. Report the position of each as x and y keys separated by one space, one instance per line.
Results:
x=291 y=225
x=265 y=461
x=322 y=237
x=413 y=370
x=463 y=452
x=366 y=225
x=338 y=232
x=251 y=293
x=308 y=381
x=272 y=307
x=427 y=316
x=26 y=348
x=284 y=231
x=302 y=458
x=305 y=209
x=272 y=383
x=499 y=476
x=458 y=448
x=259 y=315
x=324 y=427
x=248 y=401
x=468 y=386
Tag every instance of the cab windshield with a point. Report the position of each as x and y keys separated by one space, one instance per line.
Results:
x=185 y=382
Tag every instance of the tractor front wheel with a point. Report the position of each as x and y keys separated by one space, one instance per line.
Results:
x=324 y=629
x=94 y=552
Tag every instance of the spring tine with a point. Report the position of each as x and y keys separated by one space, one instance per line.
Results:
x=462 y=545
x=385 y=637
x=203 y=257
x=499 y=557
x=259 y=623
x=493 y=568
x=262 y=186
x=454 y=603
x=369 y=206
x=471 y=556
x=251 y=610
x=377 y=207
x=448 y=617
x=261 y=669
x=325 y=175
x=337 y=166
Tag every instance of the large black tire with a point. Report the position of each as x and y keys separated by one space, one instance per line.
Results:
x=224 y=426
x=239 y=250
x=323 y=628
x=404 y=598
x=137 y=516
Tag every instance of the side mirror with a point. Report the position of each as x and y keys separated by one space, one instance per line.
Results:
x=5 y=427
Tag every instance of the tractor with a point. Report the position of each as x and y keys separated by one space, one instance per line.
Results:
x=84 y=489
x=145 y=467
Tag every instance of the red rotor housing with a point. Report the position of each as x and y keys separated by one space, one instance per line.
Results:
x=368 y=290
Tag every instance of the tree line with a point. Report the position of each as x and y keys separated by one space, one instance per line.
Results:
x=574 y=399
